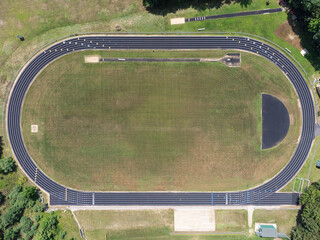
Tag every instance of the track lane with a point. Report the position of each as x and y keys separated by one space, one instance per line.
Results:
x=264 y=194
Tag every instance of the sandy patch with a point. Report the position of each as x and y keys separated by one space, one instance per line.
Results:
x=175 y=21
x=34 y=128
x=92 y=59
x=199 y=220
x=291 y=117
x=285 y=32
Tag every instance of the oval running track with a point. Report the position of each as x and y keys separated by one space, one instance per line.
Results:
x=265 y=194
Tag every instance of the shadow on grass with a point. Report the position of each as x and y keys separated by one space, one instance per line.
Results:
x=171 y=6
x=306 y=42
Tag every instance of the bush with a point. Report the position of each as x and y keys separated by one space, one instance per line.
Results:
x=15 y=192
x=35 y=226
x=36 y=218
x=12 y=216
x=1 y=197
x=7 y=165
x=62 y=234
x=39 y=207
x=47 y=228
x=30 y=192
x=29 y=235
x=25 y=224
x=21 y=201
x=9 y=234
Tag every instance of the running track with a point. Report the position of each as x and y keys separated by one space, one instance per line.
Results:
x=261 y=195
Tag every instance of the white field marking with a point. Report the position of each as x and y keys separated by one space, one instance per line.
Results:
x=198 y=220
x=34 y=128
x=175 y=21
x=91 y=59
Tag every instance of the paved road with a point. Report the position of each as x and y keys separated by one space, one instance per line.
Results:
x=261 y=195
x=230 y=15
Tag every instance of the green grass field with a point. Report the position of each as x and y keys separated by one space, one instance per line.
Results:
x=156 y=126
x=231 y=220
x=309 y=170
x=285 y=219
x=148 y=224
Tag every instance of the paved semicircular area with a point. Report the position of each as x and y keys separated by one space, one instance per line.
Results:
x=275 y=121
x=265 y=194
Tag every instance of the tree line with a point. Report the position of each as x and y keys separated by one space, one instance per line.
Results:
x=23 y=214
x=308 y=220
x=308 y=14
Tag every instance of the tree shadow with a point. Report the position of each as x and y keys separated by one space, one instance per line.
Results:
x=172 y=6
x=306 y=41
x=1 y=146
x=244 y=3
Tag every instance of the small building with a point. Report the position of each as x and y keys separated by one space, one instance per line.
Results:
x=304 y=52
x=269 y=231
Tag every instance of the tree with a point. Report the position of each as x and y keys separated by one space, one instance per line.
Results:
x=25 y=224
x=7 y=165
x=62 y=234
x=47 y=228
x=30 y=192
x=9 y=234
x=39 y=207
x=153 y=3
x=308 y=220
x=11 y=216
x=308 y=13
x=15 y=192
x=1 y=197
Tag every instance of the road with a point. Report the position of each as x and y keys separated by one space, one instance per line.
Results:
x=239 y=14
x=265 y=194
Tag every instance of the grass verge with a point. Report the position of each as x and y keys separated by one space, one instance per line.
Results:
x=285 y=219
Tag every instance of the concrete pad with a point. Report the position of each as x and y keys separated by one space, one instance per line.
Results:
x=34 y=128
x=175 y=21
x=91 y=59
x=194 y=220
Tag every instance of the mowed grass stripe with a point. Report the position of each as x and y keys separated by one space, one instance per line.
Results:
x=156 y=126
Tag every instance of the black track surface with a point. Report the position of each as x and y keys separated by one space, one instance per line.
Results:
x=261 y=195
x=230 y=15
x=275 y=121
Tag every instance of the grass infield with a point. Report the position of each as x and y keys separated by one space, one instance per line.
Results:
x=156 y=126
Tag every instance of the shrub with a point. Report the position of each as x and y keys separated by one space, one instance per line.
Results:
x=39 y=207
x=47 y=228
x=11 y=216
x=29 y=235
x=36 y=218
x=15 y=192
x=62 y=234
x=7 y=165
x=1 y=197
x=35 y=226
x=9 y=234
x=30 y=192
x=25 y=224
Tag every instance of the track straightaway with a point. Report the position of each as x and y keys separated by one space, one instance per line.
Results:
x=265 y=194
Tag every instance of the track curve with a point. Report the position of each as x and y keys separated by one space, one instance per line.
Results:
x=265 y=194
